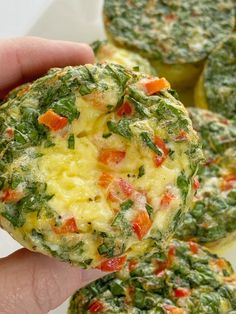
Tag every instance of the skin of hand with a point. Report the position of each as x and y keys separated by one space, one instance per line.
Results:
x=30 y=282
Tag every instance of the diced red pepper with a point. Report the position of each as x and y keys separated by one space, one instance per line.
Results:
x=112 y=196
x=170 y=17
x=230 y=279
x=171 y=255
x=229 y=181
x=154 y=85
x=111 y=157
x=96 y=306
x=193 y=247
x=53 y=120
x=113 y=264
x=141 y=224
x=126 y=187
x=105 y=179
x=11 y=196
x=182 y=136
x=131 y=290
x=173 y=310
x=161 y=144
x=24 y=90
x=172 y=250
x=69 y=226
x=167 y=198
x=158 y=160
x=160 y=268
x=230 y=177
x=119 y=190
x=182 y=292
x=224 y=121
x=221 y=263
x=204 y=225
x=196 y=183
x=10 y=133
x=125 y=110
x=132 y=264
x=210 y=161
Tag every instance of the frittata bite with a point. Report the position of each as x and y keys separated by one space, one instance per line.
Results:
x=94 y=159
x=212 y=219
x=175 y=35
x=183 y=278
x=107 y=52
x=216 y=88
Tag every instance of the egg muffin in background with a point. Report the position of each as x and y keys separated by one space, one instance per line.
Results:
x=94 y=159
x=107 y=52
x=212 y=219
x=216 y=88
x=176 y=36
x=181 y=278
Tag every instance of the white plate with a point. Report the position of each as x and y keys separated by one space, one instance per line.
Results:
x=77 y=20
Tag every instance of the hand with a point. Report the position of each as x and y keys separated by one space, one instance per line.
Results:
x=31 y=282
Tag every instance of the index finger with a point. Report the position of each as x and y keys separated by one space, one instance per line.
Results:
x=24 y=59
x=33 y=283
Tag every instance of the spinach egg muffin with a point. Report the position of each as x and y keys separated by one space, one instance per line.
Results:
x=183 y=278
x=94 y=158
x=175 y=35
x=216 y=88
x=212 y=218
x=107 y=52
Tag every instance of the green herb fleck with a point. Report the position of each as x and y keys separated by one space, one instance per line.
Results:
x=126 y=205
x=71 y=141
x=107 y=247
x=183 y=185
x=147 y=141
x=102 y=249
x=149 y=209
x=120 y=220
x=117 y=287
x=110 y=107
x=136 y=68
x=48 y=143
x=141 y=171
x=106 y=135
x=122 y=128
x=140 y=108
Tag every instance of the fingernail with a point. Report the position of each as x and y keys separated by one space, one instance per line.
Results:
x=88 y=52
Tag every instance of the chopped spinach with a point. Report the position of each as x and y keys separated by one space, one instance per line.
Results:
x=183 y=185
x=140 y=108
x=148 y=142
x=121 y=127
x=150 y=283
x=126 y=205
x=66 y=107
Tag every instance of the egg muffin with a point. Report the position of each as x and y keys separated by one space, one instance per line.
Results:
x=107 y=52
x=175 y=35
x=215 y=89
x=183 y=278
x=212 y=219
x=94 y=159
